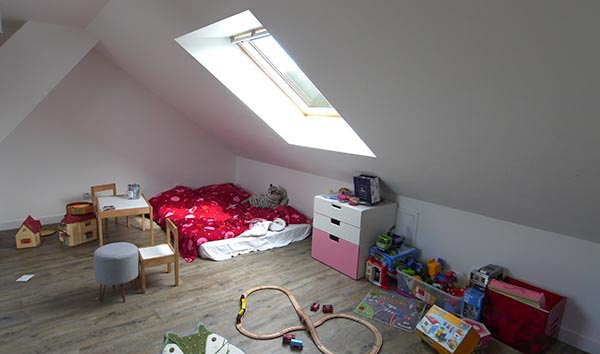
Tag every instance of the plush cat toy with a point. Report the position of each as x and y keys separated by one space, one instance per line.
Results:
x=275 y=196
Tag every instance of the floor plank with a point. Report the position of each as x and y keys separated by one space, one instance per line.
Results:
x=58 y=310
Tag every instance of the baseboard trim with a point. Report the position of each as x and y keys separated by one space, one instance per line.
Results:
x=45 y=220
x=578 y=341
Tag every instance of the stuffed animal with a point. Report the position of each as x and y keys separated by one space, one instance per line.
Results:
x=275 y=196
x=200 y=342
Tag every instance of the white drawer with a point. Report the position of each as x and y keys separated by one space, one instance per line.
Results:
x=339 y=211
x=337 y=228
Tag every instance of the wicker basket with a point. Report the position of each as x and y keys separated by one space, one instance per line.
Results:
x=80 y=208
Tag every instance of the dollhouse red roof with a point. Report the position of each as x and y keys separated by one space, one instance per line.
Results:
x=32 y=224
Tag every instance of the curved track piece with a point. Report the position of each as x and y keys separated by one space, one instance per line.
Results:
x=307 y=323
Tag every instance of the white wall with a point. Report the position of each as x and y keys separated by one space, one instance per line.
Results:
x=558 y=263
x=99 y=126
x=35 y=59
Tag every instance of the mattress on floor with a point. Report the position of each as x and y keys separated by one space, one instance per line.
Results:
x=224 y=249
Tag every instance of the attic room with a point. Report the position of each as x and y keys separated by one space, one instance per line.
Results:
x=482 y=119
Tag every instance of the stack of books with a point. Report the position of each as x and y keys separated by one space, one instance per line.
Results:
x=526 y=296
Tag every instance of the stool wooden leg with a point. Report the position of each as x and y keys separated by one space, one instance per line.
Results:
x=133 y=284
x=168 y=267
x=123 y=292
x=101 y=294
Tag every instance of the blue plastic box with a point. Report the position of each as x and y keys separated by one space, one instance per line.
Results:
x=393 y=261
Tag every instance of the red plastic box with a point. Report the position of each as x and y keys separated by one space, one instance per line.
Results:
x=523 y=327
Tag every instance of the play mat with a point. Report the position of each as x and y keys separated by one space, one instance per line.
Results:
x=392 y=309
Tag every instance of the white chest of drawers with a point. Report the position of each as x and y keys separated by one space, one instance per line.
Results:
x=342 y=234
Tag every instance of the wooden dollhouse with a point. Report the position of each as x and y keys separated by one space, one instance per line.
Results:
x=29 y=234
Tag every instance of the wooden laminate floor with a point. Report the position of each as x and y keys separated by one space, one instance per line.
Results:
x=58 y=310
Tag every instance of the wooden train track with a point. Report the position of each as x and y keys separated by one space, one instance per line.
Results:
x=307 y=323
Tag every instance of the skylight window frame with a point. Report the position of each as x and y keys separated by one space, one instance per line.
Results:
x=244 y=42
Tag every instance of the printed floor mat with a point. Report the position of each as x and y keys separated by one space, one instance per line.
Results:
x=392 y=309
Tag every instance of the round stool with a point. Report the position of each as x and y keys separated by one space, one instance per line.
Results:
x=115 y=264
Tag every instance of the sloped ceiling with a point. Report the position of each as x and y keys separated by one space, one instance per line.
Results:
x=486 y=107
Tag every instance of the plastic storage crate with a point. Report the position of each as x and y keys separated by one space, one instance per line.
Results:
x=409 y=286
x=522 y=326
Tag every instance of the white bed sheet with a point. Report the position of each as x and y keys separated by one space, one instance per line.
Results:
x=221 y=250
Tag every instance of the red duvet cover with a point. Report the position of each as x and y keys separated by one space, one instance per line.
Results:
x=212 y=213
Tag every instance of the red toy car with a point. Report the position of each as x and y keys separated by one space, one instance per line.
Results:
x=287 y=338
x=315 y=307
x=327 y=308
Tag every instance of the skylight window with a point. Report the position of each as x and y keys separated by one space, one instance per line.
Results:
x=245 y=58
x=264 y=50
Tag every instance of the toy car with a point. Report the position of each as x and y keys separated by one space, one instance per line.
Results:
x=287 y=338
x=315 y=307
x=296 y=344
x=384 y=242
x=327 y=308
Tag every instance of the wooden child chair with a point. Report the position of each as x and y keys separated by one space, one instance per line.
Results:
x=165 y=253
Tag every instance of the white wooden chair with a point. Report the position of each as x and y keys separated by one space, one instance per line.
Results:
x=165 y=253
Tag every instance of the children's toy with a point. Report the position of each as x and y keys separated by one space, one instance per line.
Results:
x=384 y=242
x=29 y=234
x=296 y=344
x=472 y=304
x=78 y=229
x=392 y=309
x=395 y=257
x=344 y=195
x=481 y=277
x=377 y=273
x=242 y=310
x=327 y=308
x=315 y=307
x=484 y=336
x=275 y=196
x=200 y=342
x=287 y=338
x=433 y=267
x=446 y=281
x=446 y=333
x=354 y=201
x=307 y=324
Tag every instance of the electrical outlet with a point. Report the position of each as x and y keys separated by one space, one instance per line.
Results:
x=87 y=196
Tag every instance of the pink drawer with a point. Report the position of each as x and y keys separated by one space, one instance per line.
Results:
x=336 y=252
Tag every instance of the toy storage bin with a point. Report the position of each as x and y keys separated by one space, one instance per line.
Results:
x=526 y=328
x=409 y=286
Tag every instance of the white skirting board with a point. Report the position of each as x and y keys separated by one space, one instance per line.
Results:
x=579 y=341
x=45 y=220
